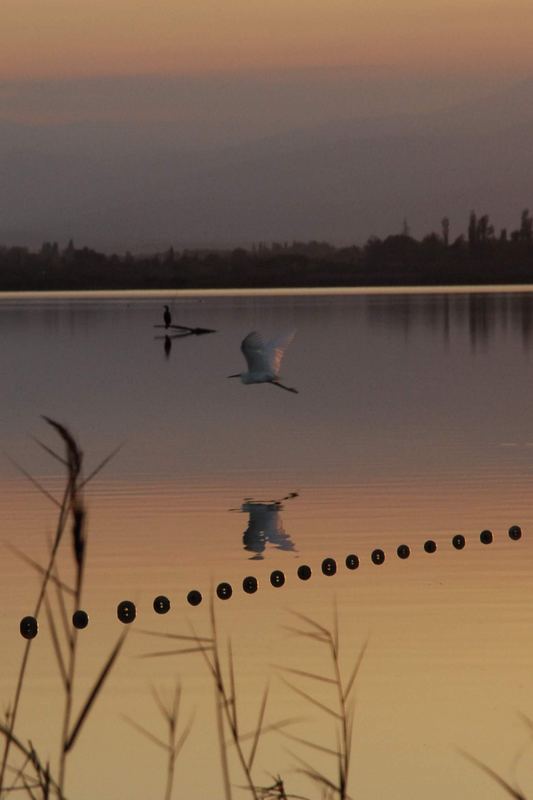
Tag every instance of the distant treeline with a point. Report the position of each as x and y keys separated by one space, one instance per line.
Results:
x=482 y=255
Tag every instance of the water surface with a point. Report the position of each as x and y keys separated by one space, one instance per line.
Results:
x=413 y=421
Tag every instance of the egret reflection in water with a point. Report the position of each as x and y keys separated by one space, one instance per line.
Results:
x=265 y=526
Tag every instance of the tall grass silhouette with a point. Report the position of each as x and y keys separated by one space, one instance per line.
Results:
x=32 y=773
x=219 y=661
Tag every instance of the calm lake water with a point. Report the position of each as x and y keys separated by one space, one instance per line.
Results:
x=413 y=421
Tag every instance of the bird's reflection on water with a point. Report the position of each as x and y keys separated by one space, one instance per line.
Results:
x=182 y=334
x=167 y=341
x=265 y=526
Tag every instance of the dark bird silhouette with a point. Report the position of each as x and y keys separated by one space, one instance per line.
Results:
x=167 y=317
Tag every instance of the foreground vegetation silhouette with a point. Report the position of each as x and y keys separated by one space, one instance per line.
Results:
x=482 y=255
x=32 y=773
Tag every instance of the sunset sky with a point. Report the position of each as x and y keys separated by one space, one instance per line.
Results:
x=206 y=122
x=74 y=38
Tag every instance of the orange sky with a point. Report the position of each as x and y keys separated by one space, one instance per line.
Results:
x=58 y=38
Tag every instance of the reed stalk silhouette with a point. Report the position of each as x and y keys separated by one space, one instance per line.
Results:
x=175 y=741
x=511 y=790
x=71 y=509
x=220 y=664
x=340 y=707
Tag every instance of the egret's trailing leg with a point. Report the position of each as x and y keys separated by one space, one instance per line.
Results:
x=281 y=386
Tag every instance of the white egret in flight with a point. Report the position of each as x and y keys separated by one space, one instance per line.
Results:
x=264 y=359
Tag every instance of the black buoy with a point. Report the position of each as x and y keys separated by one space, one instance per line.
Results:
x=277 y=578
x=29 y=627
x=126 y=611
x=161 y=604
x=352 y=561
x=249 y=584
x=194 y=598
x=515 y=532
x=304 y=572
x=80 y=619
x=329 y=566
x=224 y=591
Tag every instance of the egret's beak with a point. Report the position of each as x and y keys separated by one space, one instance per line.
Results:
x=238 y=375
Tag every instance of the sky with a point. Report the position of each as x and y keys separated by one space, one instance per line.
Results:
x=74 y=38
x=136 y=124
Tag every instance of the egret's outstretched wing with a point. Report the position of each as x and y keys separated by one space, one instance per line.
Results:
x=265 y=357
x=254 y=351
x=275 y=350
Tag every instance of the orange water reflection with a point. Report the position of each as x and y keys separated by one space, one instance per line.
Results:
x=447 y=666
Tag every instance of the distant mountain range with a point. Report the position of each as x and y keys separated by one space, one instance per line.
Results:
x=114 y=186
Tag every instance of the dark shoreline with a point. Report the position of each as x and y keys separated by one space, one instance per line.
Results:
x=480 y=258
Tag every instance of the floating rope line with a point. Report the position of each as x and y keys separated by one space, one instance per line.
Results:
x=127 y=612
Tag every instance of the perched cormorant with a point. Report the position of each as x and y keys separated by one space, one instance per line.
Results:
x=167 y=317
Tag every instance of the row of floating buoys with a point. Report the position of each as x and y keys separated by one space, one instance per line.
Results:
x=126 y=610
